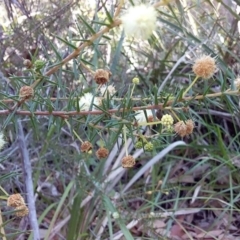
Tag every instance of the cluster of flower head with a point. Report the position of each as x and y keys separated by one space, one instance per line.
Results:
x=86 y=147
x=101 y=153
x=17 y=202
x=143 y=143
x=184 y=128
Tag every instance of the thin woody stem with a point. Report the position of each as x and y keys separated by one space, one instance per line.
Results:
x=65 y=114
x=189 y=87
x=227 y=92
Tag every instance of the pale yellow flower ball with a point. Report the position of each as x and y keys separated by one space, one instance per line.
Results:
x=140 y=21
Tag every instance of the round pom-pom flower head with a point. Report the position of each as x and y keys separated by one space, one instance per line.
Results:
x=128 y=161
x=135 y=80
x=139 y=21
x=184 y=128
x=102 y=153
x=237 y=83
x=107 y=90
x=21 y=211
x=86 y=147
x=167 y=120
x=101 y=76
x=204 y=67
x=15 y=200
x=87 y=100
x=26 y=92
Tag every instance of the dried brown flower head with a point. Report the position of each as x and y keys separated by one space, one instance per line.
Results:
x=26 y=92
x=102 y=153
x=27 y=63
x=204 y=67
x=21 y=211
x=128 y=161
x=86 y=147
x=190 y=126
x=184 y=128
x=101 y=76
x=15 y=200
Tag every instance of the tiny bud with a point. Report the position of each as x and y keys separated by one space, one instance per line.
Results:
x=128 y=161
x=102 y=153
x=148 y=147
x=138 y=145
x=39 y=64
x=86 y=147
x=26 y=92
x=101 y=76
x=135 y=80
x=27 y=63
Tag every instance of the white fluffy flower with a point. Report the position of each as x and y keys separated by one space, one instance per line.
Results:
x=87 y=100
x=237 y=83
x=110 y=89
x=140 y=116
x=140 y=21
x=2 y=141
x=115 y=215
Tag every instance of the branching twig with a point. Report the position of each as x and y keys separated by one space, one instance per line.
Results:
x=27 y=170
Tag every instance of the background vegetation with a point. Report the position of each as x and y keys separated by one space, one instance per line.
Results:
x=186 y=188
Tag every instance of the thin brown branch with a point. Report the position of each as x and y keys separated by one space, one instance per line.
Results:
x=199 y=97
x=162 y=106
x=65 y=114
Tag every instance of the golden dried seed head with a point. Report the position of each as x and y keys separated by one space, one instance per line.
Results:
x=190 y=126
x=128 y=161
x=184 y=128
x=180 y=128
x=86 y=147
x=15 y=200
x=204 y=67
x=101 y=76
x=102 y=153
x=21 y=211
x=26 y=92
